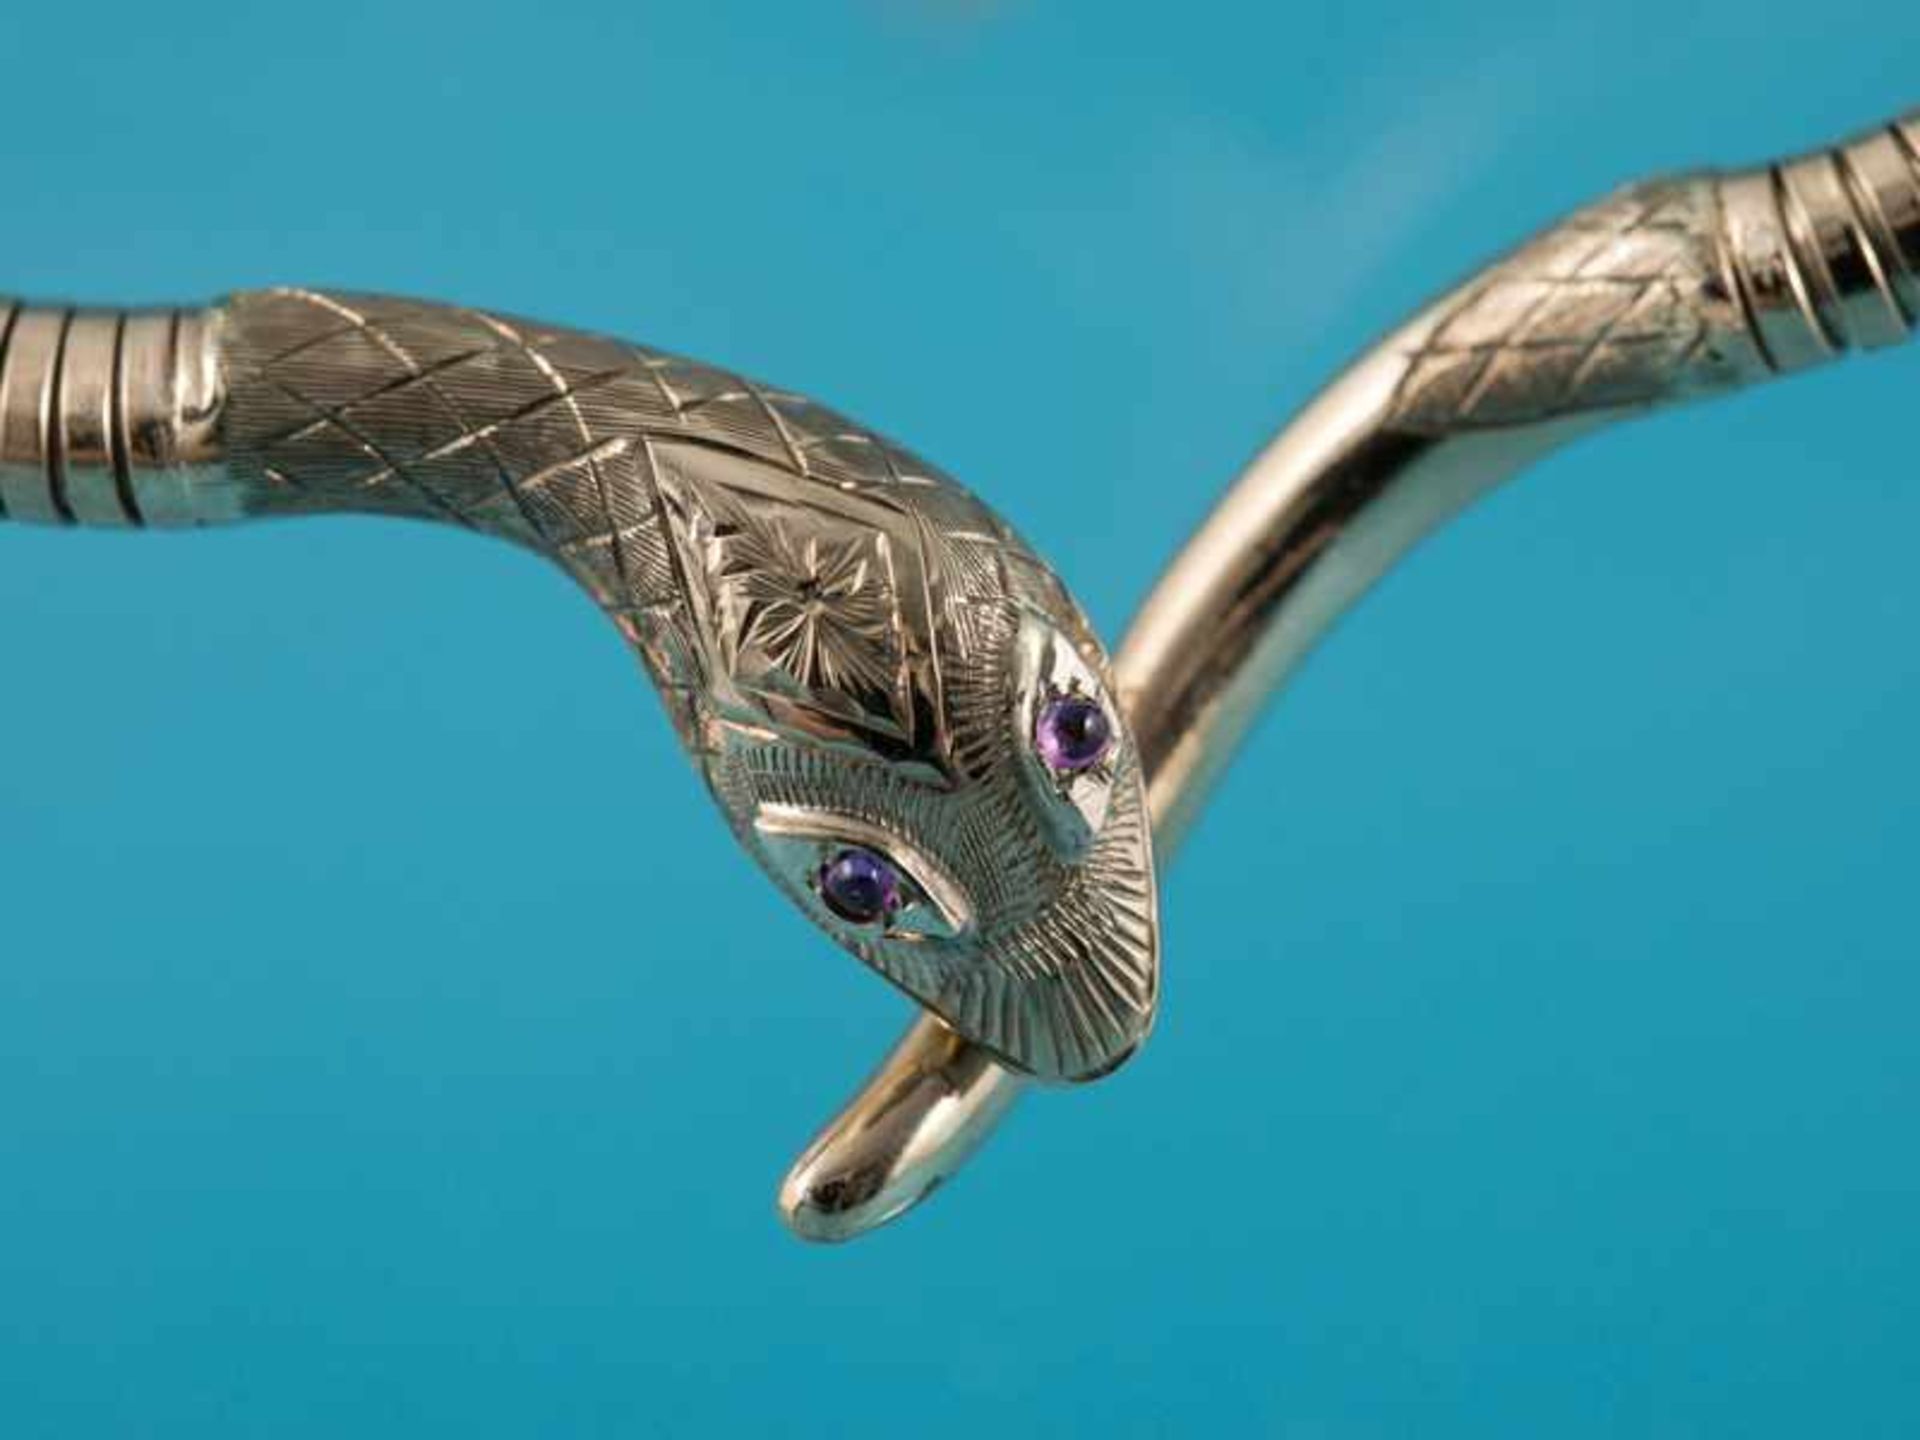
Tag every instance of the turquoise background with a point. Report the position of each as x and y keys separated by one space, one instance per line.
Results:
x=393 y=1043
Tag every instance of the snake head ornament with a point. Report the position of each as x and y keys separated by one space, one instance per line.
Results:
x=902 y=714
x=907 y=722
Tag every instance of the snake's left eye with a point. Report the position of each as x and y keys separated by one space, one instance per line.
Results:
x=859 y=885
x=856 y=876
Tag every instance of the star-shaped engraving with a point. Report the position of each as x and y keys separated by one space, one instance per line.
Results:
x=807 y=597
x=814 y=606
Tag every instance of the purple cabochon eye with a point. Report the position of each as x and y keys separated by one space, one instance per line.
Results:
x=859 y=886
x=1072 y=733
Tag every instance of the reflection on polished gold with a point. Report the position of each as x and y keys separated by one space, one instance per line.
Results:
x=1665 y=291
x=900 y=711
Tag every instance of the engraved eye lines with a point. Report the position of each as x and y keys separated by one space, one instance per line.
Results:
x=859 y=885
x=860 y=878
x=1072 y=736
x=1068 y=736
x=1071 y=731
x=865 y=888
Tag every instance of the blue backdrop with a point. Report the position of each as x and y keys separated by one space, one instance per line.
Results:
x=1539 y=1048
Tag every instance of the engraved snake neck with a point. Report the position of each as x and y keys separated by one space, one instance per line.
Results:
x=881 y=684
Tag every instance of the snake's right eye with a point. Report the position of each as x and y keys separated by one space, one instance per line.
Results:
x=1072 y=733
x=1070 y=740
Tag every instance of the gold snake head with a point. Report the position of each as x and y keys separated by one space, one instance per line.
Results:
x=903 y=715
x=909 y=724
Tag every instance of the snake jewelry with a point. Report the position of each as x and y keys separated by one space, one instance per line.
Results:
x=900 y=711
x=1665 y=291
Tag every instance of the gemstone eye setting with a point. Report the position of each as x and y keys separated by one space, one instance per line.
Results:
x=1069 y=734
x=853 y=875
x=860 y=886
x=1072 y=733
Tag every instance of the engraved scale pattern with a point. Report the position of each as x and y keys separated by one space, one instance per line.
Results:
x=529 y=432
x=830 y=620
x=523 y=430
x=1626 y=303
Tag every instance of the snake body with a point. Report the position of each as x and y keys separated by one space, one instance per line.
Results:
x=1666 y=291
x=852 y=647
